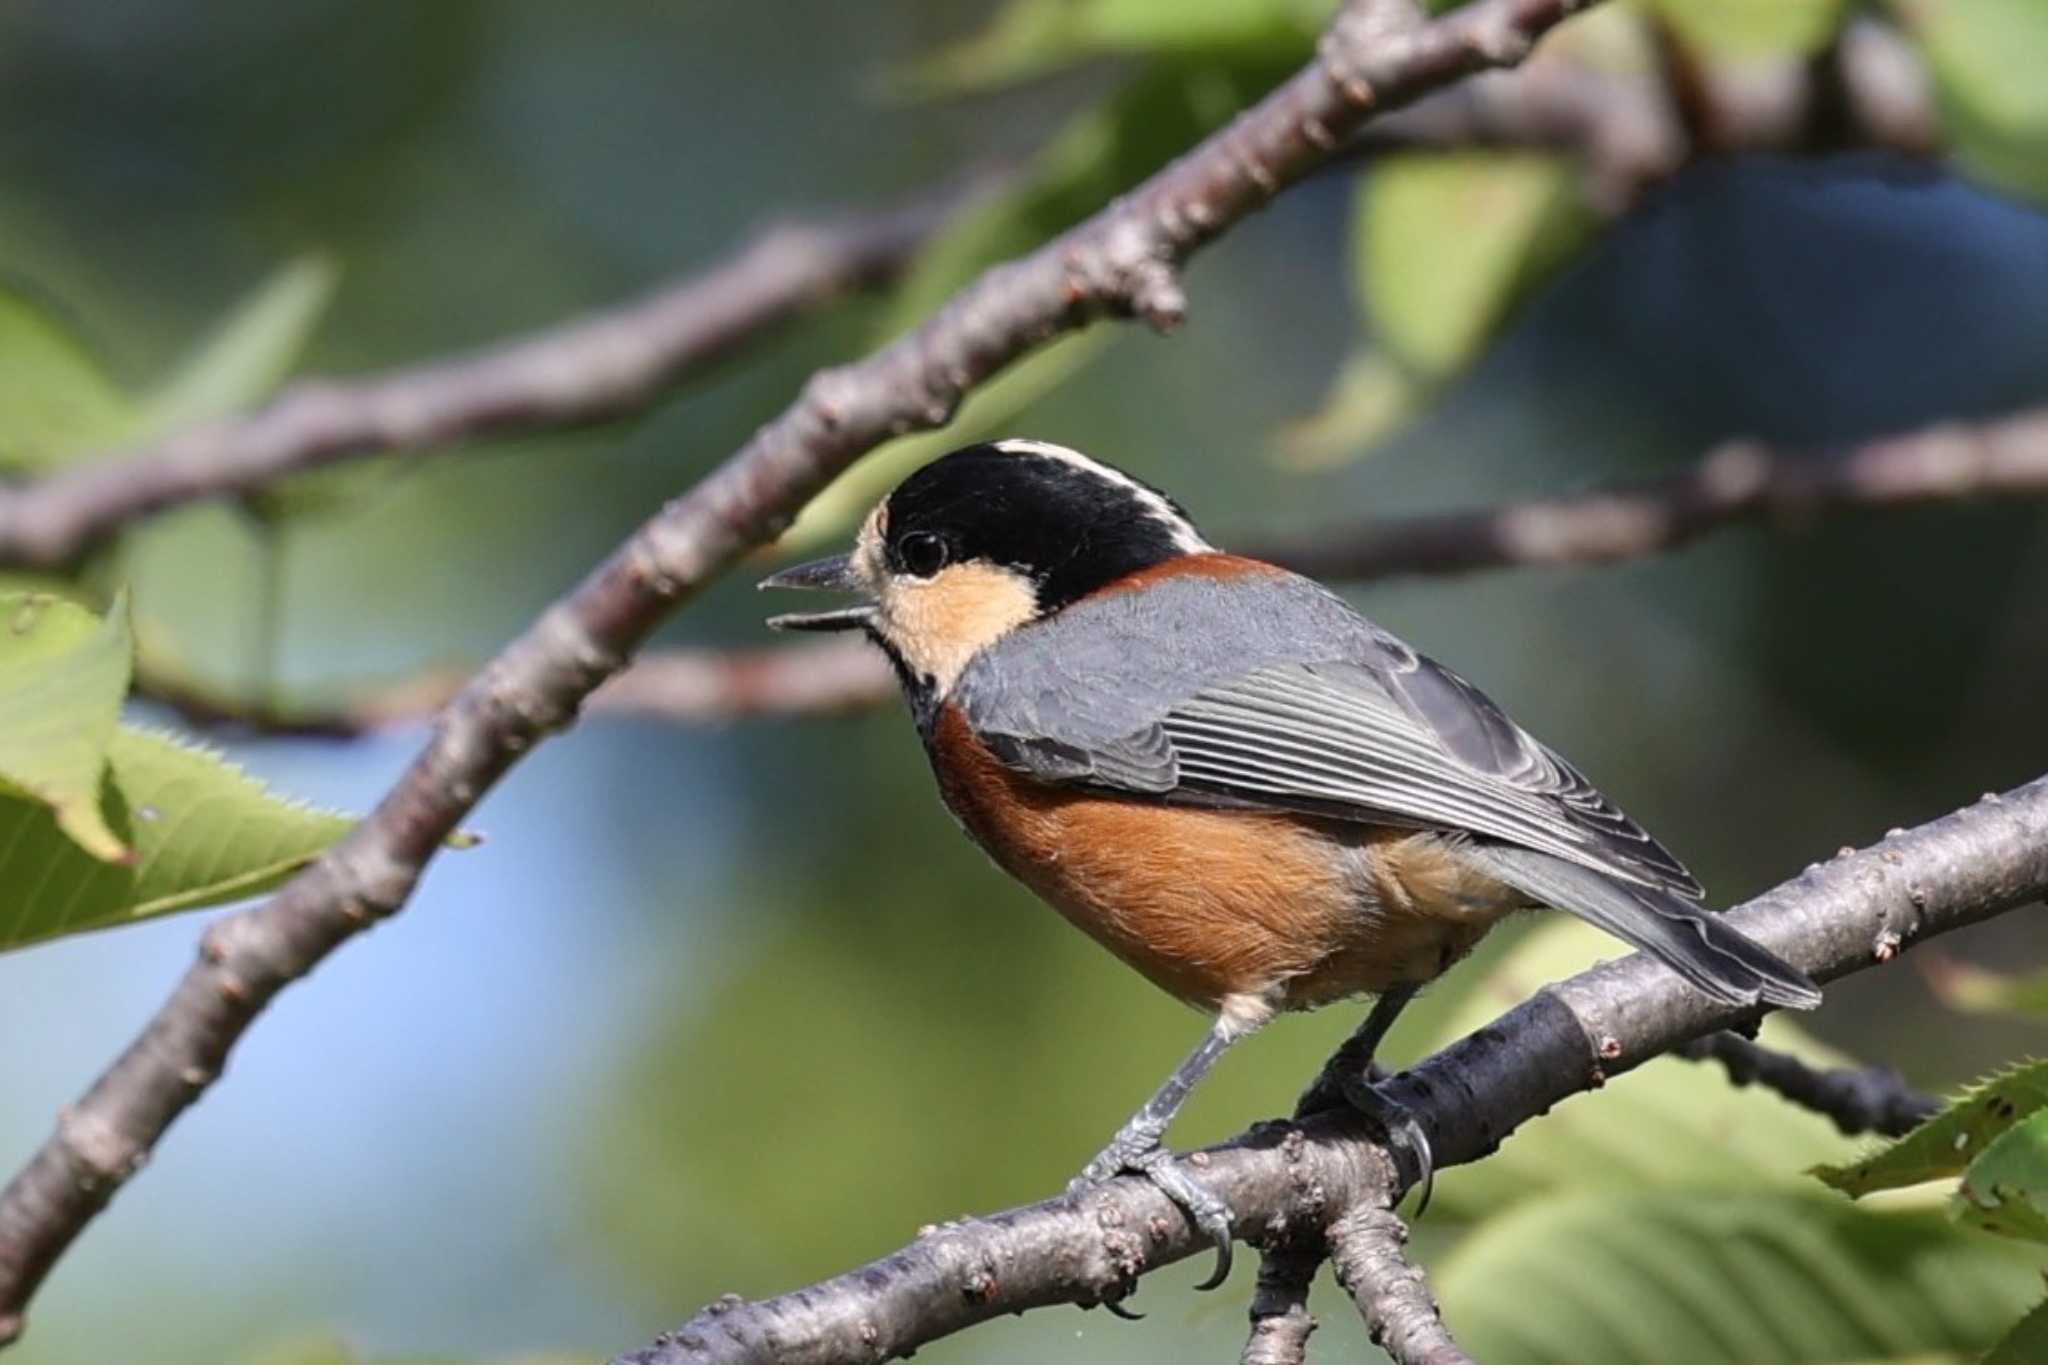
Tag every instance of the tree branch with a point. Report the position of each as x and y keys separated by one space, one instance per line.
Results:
x=589 y=370
x=1286 y=1182
x=1741 y=481
x=1632 y=129
x=1369 y=1250
x=1123 y=261
x=1862 y=1100
x=1281 y=1322
x=693 y=686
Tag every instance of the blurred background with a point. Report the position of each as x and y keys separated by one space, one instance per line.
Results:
x=729 y=1009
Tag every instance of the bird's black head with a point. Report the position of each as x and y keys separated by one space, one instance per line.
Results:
x=1065 y=522
x=984 y=540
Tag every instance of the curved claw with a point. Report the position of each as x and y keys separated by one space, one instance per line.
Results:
x=1117 y=1310
x=1404 y=1135
x=1204 y=1209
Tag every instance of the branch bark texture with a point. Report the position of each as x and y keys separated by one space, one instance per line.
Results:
x=1280 y=1321
x=1739 y=482
x=1287 y=1183
x=1863 y=1100
x=1124 y=261
x=1369 y=1250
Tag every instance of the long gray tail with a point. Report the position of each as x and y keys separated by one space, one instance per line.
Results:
x=1696 y=943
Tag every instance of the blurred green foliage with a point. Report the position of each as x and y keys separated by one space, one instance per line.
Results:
x=855 y=1026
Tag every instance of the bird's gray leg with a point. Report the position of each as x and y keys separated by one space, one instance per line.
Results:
x=1136 y=1149
x=1347 y=1078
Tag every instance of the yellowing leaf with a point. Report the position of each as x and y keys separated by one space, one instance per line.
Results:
x=63 y=673
x=202 y=830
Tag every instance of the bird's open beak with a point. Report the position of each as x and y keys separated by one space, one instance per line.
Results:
x=825 y=575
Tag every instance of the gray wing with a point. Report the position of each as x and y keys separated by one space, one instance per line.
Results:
x=1272 y=692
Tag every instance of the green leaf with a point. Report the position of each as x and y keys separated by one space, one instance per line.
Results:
x=2026 y=1344
x=2006 y=1189
x=1946 y=1144
x=1445 y=246
x=252 y=349
x=203 y=832
x=1030 y=37
x=1974 y=990
x=1987 y=57
x=1098 y=155
x=849 y=497
x=56 y=401
x=1738 y=29
x=63 y=673
x=1665 y=1123
x=1372 y=397
x=1692 y=1278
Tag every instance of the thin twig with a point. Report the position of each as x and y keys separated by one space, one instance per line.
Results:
x=1632 y=128
x=1860 y=1100
x=1369 y=1250
x=1286 y=1181
x=573 y=374
x=694 y=686
x=1281 y=1322
x=1739 y=482
x=1123 y=261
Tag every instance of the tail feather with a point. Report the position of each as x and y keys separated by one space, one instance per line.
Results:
x=1694 y=942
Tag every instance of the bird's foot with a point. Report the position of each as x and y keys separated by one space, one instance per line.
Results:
x=1406 y=1141
x=1405 y=1138
x=1135 y=1150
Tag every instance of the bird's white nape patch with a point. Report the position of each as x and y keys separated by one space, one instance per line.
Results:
x=1186 y=538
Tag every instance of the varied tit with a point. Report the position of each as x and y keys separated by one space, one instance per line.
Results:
x=1250 y=793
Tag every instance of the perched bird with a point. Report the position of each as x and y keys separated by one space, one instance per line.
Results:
x=1237 y=784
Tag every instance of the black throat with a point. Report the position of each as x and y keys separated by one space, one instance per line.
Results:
x=921 y=690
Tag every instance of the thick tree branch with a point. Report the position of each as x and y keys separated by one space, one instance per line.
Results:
x=1369 y=1250
x=1739 y=482
x=589 y=370
x=1286 y=1182
x=1124 y=261
x=1863 y=1100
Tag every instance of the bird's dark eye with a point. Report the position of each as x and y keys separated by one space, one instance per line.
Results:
x=923 y=553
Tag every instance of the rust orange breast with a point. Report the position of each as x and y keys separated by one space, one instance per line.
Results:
x=1209 y=904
